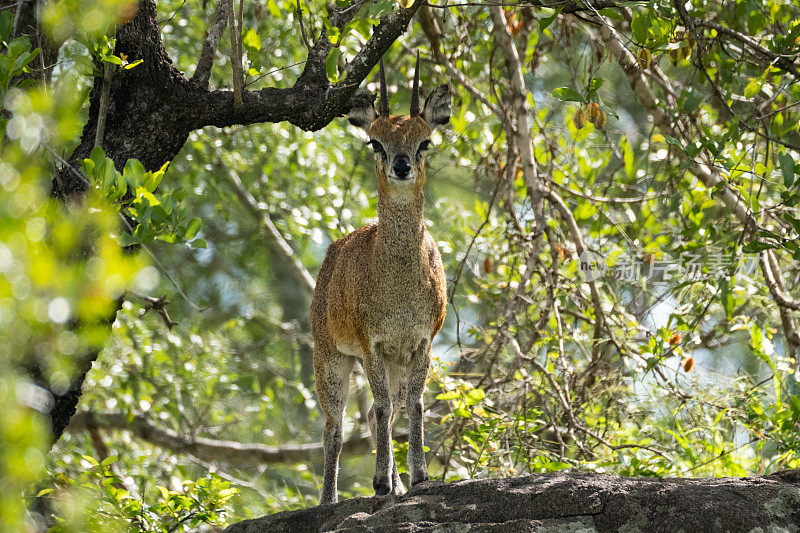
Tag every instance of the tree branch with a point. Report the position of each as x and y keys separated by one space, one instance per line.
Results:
x=235 y=55
x=279 y=244
x=644 y=93
x=566 y=6
x=774 y=284
x=518 y=118
x=202 y=73
x=312 y=102
x=779 y=60
x=105 y=99
x=430 y=27
x=211 y=449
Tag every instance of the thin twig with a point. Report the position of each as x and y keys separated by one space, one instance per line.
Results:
x=105 y=98
x=302 y=26
x=235 y=57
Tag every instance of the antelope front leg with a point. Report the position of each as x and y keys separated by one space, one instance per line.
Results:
x=378 y=382
x=416 y=387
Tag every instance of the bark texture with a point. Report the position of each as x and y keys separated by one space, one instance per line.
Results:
x=565 y=501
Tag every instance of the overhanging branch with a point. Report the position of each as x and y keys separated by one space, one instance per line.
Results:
x=312 y=102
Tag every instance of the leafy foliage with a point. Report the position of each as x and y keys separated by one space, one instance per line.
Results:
x=669 y=136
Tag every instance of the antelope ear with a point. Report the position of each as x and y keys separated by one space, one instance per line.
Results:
x=437 y=107
x=363 y=112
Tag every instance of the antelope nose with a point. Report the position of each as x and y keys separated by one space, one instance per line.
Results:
x=401 y=166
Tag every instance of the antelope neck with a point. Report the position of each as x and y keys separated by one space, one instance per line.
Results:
x=401 y=226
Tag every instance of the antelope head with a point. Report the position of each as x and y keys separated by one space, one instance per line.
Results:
x=400 y=141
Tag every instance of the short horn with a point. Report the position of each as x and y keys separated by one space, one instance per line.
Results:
x=415 y=90
x=383 y=104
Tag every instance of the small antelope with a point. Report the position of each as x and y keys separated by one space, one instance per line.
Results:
x=380 y=294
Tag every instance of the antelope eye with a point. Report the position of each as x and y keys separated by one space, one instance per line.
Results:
x=423 y=146
x=377 y=147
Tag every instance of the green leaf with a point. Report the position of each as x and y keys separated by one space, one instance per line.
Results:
x=332 y=63
x=89 y=459
x=274 y=10
x=379 y=9
x=97 y=155
x=545 y=22
x=755 y=247
x=131 y=65
x=152 y=180
x=752 y=89
x=462 y=412
x=251 y=39
x=585 y=211
x=449 y=395
x=111 y=59
x=6 y=24
x=786 y=162
x=566 y=94
x=164 y=492
x=168 y=237
x=474 y=396
x=333 y=34
x=44 y=492
x=595 y=85
x=144 y=194
x=134 y=171
x=192 y=228
x=793 y=221
x=640 y=27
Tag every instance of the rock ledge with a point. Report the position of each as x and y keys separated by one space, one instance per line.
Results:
x=576 y=502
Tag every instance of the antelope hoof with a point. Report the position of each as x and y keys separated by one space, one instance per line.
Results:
x=382 y=488
x=422 y=477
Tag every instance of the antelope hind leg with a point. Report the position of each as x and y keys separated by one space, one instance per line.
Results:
x=332 y=388
x=420 y=363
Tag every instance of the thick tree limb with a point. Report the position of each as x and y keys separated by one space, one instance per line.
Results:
x=154 y=107
x=312 y=102
x=211 y=449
